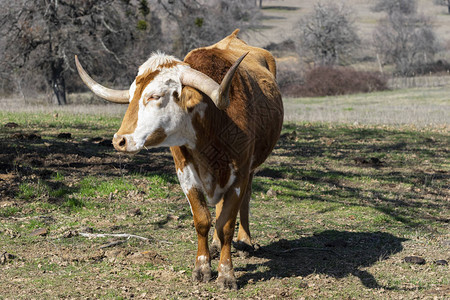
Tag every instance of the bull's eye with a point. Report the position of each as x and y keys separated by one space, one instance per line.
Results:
x=151 y=98
x=175 y=96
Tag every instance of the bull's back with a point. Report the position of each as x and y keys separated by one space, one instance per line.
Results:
x=256 y=106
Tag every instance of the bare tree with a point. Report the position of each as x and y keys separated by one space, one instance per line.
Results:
x=405 y=41
x=407 y=7
x=328 y=35
x=444 y=3
x=41 y=37
x=200 y=23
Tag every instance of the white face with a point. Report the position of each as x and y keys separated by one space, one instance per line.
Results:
x=154 y=116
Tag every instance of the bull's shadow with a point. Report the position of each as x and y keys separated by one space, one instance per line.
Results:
x=334 y=253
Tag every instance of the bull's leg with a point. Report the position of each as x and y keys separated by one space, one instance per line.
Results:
x=202 y=222
x=244 y=242
x=190 y=184
x=214 y=248
x=225 y=230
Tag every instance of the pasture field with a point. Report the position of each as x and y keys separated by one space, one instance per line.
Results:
x=419 y=107
x=334 y=212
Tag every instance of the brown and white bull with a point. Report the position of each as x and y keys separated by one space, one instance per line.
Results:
x=218 y=133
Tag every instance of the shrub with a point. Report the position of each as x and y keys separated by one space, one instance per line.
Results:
x=407 y=41
x=328 y=35
x=290 y=76
x=328 y=81
x=436 y=67
x=142 y=25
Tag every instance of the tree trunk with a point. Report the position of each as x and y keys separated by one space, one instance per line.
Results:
x=59 y=89
x=448 y=5
x=58 y=83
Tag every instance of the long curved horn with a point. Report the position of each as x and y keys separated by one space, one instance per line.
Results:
x=116 y=96
x=219 y=94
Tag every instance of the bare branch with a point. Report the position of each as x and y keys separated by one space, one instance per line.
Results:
x=112 y=244
x=328 y=34
x=121 y=235
x=109 y=51
x=406 y=41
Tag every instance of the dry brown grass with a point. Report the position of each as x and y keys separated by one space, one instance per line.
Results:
x=425 y=107
x=82 y=103
x=420 y=107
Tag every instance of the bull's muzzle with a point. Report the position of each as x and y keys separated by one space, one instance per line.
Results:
x=122 y=143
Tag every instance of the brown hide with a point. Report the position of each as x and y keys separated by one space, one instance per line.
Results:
x=250 y=126
x=129 y=121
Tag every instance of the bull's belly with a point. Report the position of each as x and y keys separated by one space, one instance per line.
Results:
x=267 y=134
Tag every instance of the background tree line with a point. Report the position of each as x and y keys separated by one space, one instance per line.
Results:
x=328 y=42
x=39 y=39
x=403 y=37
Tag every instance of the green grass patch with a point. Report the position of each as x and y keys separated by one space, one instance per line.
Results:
x=58 y=177
x=92 y=186
x=6 y=212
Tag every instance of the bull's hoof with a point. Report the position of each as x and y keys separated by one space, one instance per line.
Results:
x=202 y=273
x=244 y=250
x=227 y=281
x=243 y=246
x=214 y=250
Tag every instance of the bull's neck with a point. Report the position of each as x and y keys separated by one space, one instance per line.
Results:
x=210 y=147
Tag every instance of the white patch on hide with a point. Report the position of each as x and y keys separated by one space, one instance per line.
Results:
x=202 y=259
x=188 y=180
x=132 y=90
x=155 y=60
x=200 y=109
x=220 y=191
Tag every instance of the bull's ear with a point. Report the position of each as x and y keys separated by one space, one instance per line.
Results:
x=190 y=97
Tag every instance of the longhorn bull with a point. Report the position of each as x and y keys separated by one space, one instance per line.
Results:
x=218 y=134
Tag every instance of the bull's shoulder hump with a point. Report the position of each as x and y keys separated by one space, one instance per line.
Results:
x=230 y=48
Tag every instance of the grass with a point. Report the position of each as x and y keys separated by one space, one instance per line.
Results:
x=414 y=107
x=335 y=210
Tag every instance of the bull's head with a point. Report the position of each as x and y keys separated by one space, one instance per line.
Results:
x=154 y=116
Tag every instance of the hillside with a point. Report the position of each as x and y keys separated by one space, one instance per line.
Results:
x=280 y=16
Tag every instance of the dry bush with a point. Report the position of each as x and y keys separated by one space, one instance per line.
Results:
x=406 y=41
x=290 y=75
x=437 y=67
x=327 y=81
x=407 y=7
x=328 y=35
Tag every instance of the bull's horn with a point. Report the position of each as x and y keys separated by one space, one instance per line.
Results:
x=219 y=94
x=116 y=96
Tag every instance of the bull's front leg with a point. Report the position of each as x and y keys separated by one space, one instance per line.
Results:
x=202 y=222
x=190 y=184
x=244 y=242
x=225 y=224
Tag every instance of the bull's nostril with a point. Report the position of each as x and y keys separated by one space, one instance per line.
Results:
x=122 y=142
